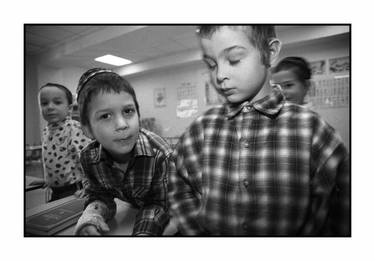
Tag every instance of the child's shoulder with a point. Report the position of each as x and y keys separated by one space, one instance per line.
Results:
x=213 y=113
x=154 y=141
x=92 y=146
x=306 y=114
x=70 y=123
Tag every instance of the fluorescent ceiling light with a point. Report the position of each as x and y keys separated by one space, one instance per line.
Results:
x=113 y=60
x=341 y=76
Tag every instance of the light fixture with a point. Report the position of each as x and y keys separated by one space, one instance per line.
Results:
x=113 y=60
x=341 y=76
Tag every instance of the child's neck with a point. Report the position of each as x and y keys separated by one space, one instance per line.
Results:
x=56 y=124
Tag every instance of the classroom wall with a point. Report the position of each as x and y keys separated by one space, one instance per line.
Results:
x=170 y=79
x=32 y=135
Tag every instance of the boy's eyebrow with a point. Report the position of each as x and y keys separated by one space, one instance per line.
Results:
x=130 y=105
x=225 y=51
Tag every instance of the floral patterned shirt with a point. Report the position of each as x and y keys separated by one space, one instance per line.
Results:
x=61 y=146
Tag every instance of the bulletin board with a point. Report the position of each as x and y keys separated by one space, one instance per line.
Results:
x=330 y=85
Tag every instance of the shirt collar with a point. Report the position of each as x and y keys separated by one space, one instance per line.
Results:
x=269 y=105
x=53 y=126
x=142 y=148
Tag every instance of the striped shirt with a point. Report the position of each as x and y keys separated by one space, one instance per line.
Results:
x=143 y=184
x=264 y=168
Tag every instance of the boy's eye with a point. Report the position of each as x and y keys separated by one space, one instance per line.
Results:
x=235 y=56
x=210 y=64
x=129 y=111
x=288 y=85
x=105 y=116
x=234 y=61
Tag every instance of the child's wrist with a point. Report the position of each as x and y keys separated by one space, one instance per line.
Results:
x=85 y=220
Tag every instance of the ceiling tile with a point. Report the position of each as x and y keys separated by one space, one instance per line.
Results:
x=56 y=33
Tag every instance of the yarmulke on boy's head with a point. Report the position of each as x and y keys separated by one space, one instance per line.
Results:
x=89 y=74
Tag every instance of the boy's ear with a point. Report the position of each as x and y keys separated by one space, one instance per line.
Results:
x=275 y=47
x=87 y=131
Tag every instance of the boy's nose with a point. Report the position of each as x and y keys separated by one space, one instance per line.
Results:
x=121 y=123
x=221 y=74
x=50 y=106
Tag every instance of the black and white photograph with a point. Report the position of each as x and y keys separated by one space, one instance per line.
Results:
x=196 y=130
x=261 y=161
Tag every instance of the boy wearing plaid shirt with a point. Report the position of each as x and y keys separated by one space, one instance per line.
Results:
x=256 y=165
x=125 y=161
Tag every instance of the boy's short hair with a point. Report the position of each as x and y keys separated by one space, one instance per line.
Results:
x=298 y=65
x=69 y=95
x=99 y=80
x=258 y=35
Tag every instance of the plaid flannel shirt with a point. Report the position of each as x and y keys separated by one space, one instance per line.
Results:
x=261 y=168
x=144 y=184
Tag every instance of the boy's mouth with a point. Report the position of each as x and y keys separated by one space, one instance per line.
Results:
x=228 y=91
x=51 y=115
x=127 y=139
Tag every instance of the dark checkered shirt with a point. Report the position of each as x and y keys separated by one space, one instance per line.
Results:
x=265 y=168
x=144 y=184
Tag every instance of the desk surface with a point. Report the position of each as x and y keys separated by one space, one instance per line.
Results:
x=121 y=225
x=30 y=179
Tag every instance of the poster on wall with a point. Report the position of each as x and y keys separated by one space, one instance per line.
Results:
x=339 y=65
x=160 y=97
x=187 y=108
x=318 y=67
x=187 y=100
x=330 y=93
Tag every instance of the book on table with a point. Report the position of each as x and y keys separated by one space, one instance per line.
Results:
x=56 y=218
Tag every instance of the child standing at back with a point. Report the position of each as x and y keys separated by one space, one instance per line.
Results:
x=62 y=141
x=257 y=165
x=293 y=75
x=125 y=161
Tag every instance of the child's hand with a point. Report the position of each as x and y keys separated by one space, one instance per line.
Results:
x=91 y=230
x=79 y=193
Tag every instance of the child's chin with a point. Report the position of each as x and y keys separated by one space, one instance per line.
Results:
x=234 y=99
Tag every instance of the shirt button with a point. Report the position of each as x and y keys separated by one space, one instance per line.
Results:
x=246 y=109
x=245 y=144
x=245 y=183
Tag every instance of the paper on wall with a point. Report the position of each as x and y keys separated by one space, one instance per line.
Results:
x=186 y=108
